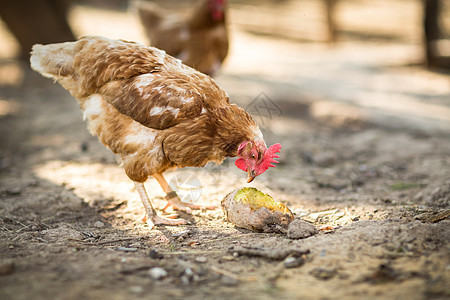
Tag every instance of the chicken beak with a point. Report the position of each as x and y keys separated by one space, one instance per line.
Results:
x=251 y=176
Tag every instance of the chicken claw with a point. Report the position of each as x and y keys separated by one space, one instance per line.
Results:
x=157 y=220
x=177 y=204
x=151 y=217
x=173 y=199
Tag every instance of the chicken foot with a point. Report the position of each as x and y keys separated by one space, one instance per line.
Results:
x=152 y=218
x=175 y=201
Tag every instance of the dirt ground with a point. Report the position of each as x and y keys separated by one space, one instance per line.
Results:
x=365 y=131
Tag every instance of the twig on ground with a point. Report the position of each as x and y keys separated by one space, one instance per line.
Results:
x=192 y=252
x=100 y=243
x=237 y=236
x=230 y=274
x=274 y=254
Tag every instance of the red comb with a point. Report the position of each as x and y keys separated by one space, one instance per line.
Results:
x=271 y=152
x=269 y=158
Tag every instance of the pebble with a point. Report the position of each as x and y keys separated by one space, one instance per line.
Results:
x=188 y=276
x=293 y=262
x=299 y=229
x=184 y=233
x=99 y=224
x=323 y=274
x=126 y=249
x=185 y=280
x=136 y=289
x=13 y=191
x=201 y=259
x=228 y=258
x=155 y=254
x=157 y=273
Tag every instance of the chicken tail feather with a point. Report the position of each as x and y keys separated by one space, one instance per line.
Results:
x=54 y=60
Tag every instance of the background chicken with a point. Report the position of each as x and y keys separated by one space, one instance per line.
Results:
x=153 y=111
x=200 y=41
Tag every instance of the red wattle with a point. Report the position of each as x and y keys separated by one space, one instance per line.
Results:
x=240 y=163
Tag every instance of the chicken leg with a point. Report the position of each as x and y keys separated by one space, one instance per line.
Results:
x=173 y=199
x=152 y=218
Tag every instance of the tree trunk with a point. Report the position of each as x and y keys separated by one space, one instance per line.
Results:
x=431 y=30
x=36 y=21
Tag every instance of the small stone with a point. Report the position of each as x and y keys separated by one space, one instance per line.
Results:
x=84 y=147
x=99 y=224
x=14 y=191
x=323 y=274
x=126 y=249
x=293 y=262
x=157 y=273
x=201 y=259
x=299 y=229
x=228 y=258
x=136 y=289
x=188 y=276
x=155 y=254
x=183 y=233
x=185 y=280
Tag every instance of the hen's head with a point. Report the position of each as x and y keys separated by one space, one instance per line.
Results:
x=255 y=158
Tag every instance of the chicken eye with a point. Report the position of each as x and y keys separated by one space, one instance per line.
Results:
x=253 y=156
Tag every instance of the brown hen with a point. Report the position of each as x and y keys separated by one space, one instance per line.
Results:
x=200 y=41
x=153 y=111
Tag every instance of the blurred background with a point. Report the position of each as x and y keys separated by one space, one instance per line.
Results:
x=366 y=53
x=421 y=22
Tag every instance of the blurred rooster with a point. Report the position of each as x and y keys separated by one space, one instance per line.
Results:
x=200 y=41
x=153 y=111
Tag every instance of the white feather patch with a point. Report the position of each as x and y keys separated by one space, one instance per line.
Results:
x=258 y=135
x=92 y=106
x=141 y=135
x=143 y=80
x=186 y=100
x=173 y=110
x=161 y=55
x=156 y=111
